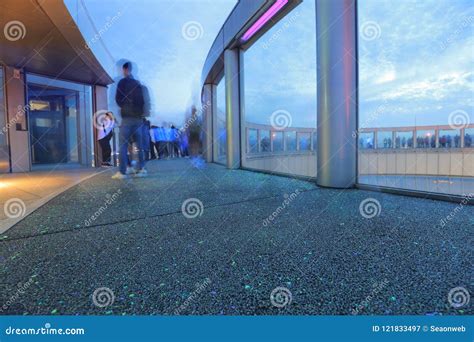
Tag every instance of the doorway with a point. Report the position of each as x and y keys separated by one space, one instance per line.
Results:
x=53 y=125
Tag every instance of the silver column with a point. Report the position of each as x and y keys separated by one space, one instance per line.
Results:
x=232 y=104
x=336 y=29
x=209 y=105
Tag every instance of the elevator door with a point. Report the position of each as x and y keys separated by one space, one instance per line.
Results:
x=47 y=122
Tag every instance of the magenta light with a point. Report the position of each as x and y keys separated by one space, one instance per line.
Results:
x=277 y=6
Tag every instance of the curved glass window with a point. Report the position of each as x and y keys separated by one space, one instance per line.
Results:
x=426 y=139
x=253 y=141
x=416 y=73
x=449 y=138
x=366 y=140
x=304 y=141
x=384 y=139
x=469 y=137
x=277 y=141
x=403 y=139
x=220 y=134
x=290 y=141
x=265 y=144
x=280 y=93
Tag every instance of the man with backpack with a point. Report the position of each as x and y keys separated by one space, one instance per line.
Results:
x=130 y=99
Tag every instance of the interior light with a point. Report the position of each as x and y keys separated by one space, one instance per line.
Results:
x=270 y=13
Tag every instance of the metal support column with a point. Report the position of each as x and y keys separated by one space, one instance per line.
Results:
x=209 y=105
x=232 y=104
x=336 y=27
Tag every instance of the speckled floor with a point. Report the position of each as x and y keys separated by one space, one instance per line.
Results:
x=132 y=238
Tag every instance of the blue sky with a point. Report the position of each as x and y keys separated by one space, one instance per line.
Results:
x=419 y=66
x=150 y=33
x=416 y=69
x=416 y=57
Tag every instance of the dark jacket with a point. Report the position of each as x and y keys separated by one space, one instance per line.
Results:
x=130 y=98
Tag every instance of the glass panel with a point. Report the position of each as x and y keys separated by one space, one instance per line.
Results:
x=71 y=127
x=449 y=138
x=315 y=141
x=304 y=141
x=280 y=91
x=4 y=155
x=403 y=139
x=384 y=139
x=277 y=141
x=416 y=74
x=290 y=141
x=366 y=140
x=469 y=137
x=425 y=139
x=56 y=108
x=265 y=144
x=221 y=133
x=253 y=140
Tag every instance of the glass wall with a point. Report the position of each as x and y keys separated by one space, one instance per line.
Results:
x=366 y=140
x=280 y=96
x=421 y=111
x=220 y=133
x=4 y=154
x=469 y=137
x=425 y=139
x=60 y=121
x=403 y=139
x=384 y=139
x=252 y=141
x=265 y=143
x=277 y=142
x=304 y=141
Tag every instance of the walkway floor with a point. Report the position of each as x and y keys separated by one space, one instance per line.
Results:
x=22 y=193
x=133 y=238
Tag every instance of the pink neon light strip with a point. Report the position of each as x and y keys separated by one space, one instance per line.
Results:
x=277 y=6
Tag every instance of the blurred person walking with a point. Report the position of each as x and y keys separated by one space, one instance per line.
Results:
x=130 y=99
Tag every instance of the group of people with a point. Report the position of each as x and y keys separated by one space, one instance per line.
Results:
x=151 y=142
x=165 y=142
